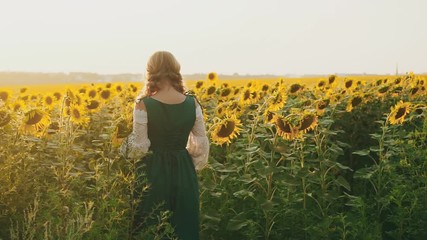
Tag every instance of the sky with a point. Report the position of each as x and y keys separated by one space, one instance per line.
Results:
x=224 y=36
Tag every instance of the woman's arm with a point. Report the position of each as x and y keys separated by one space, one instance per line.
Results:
x=136 y=145
x=198 y=142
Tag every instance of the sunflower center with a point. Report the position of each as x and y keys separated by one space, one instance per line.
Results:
x=34 y=117
x=400 y=113
x=57 y=95
x=307 y=122
x=105 y=94
x=419 y=111
x=383 y=89
x=225 y=92
x=199 y=84
x=76 y=113
x=348 y=83
x=283 y=126
x=93 y=104
x=16 y=107
x=270 y=116
x=295 y=88
x=4 y=96
x=246 y=95
x=323 y=104
x=226 y=129
x=211 y=76
x=265 y=88
x=414 y=90
x=211 y=90
x=49 y=100
x=92 y=93
x=356 y=101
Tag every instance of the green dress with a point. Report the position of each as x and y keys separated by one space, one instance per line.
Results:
x=169 y=168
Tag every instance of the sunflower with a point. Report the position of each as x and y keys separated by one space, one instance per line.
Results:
x=23 y=90
x=119 y=88
x=4 y=118
x=70 y=98
x=225 y=93
x=49 y=101
x=236 y=90
x=225 y=85
x=284 y=128
x=212 y=77
x=92 y=93
x=210 y=91
x=308 y=122
x=220 y=110
x=57 y=95
x=331 y=79
x=82 y=90
x=92 y=105
x=35 y=120
x=398 y=80
x=383 y=90
x=133 y=88
x=18 y=105
x=295 y=88
x=234 y=108
x=4 y=95
x=105 y=94
x=246 y=96
x=354 y=102
x=321 y=85
x=413 y=91
x=77 y=115
x=276 y=101
x=419 y=109
x=398 y=112
x=349 y=84
x=226 y=130
x=322 y=105
x=199 y=85
x=269 y=116
x=265 y=87
x=53 y=128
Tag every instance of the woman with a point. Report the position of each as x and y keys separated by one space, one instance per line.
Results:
x=170 y=125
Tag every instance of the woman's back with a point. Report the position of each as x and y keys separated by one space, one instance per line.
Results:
x=169 y=124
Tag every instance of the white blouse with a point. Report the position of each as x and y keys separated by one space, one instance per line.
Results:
x=137 y=143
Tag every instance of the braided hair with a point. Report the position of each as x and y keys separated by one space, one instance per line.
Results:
x=163 y=65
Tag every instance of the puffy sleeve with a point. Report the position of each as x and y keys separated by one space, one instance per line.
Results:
x=198 y=142
x=136 y=145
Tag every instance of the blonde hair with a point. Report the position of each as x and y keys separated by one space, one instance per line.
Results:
x=163 y=65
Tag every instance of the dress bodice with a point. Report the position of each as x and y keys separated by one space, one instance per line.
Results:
x=169 y=125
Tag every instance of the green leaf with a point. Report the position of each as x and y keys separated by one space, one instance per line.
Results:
x=237 y=222
x=365 y=173
x=243 y=193
x=364 y=152
x=343 y=166
x=341 y=181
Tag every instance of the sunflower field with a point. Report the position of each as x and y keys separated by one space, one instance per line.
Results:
x=340 y=158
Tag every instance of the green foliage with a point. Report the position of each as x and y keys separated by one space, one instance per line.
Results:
x=355 y=176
